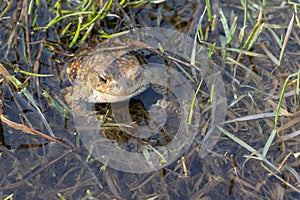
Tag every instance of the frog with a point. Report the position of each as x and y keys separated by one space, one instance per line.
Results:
x=113 y=73
x=107 y=74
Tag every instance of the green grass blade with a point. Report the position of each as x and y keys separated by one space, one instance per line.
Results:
x=30 y=98
x=193 y=103
x=224 y=24
x=253 y=35
x=269 y=142
x=248 y=147
x=209 y=16
x=282 y=95
x=77 y=32
x=17 y=70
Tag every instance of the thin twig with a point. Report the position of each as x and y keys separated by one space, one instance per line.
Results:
x=26 y=129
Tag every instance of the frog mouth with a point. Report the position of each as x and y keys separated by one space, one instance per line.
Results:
x=97 y=96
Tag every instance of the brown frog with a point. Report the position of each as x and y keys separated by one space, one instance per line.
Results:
x=107 y=74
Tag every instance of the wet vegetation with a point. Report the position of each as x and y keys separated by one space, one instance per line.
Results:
x=257 y=48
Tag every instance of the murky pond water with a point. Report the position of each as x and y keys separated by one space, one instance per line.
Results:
x=34 y=168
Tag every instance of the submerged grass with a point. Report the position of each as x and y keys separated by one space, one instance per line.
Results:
x=244 y=44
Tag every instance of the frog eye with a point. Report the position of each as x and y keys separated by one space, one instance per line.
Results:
x=102 y=79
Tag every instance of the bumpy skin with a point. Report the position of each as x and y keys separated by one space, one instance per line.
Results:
x=107 y=75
